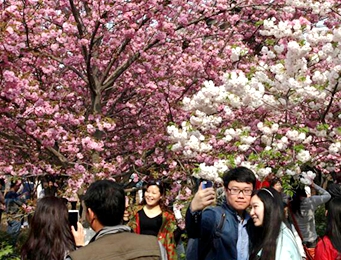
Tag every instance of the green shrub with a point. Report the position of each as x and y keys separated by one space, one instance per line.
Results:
x=8 y=250
x=320 y=220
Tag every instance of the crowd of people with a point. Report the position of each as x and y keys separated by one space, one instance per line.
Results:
x=250 y=222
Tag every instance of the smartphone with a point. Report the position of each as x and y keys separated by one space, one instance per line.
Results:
x=73 y=217
x=207 y=184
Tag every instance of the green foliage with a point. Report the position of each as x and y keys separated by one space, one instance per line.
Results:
x=259 y=23
x=302 y=42
x=299 y=147
x=182 y=256
x=304 y=130
x=321 y=127
x=320 y=220
x=8 y=250
x=270 y=42
x=288 y=185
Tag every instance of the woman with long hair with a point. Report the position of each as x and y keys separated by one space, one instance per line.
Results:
x=49 y=236
x=272 y=238
x=153 y=218
x=303 y=207
x=329 y=247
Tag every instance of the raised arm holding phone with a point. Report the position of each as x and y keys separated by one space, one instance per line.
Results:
x=231 y=217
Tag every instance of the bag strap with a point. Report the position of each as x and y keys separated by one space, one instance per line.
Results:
x=306 y=250
x=205 y=249
x=221 y=223
x=292 y=215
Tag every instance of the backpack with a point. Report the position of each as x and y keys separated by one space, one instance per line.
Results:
x=193 y=245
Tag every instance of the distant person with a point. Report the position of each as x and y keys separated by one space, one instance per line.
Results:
x=50 y=190
x=2 y=198
x=41 y=193
x=303 y=207
x=153 y=218
x=13 y=203
x=276 y=183
x=334 y=189
x=49 y=236
x=105 y=205
x=329 y=247
x=273 y=240
x=12 y=193
x=27 y=190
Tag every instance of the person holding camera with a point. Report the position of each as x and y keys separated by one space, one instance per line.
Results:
x=49 y=235
x=224 y=231
x=105 y=205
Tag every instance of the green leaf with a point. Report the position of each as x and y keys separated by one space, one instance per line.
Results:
x=298 y=147
x=259 y=23
x=322 y=127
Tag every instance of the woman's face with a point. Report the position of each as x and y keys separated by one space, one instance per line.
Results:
x=257 y=211
x=152 y=195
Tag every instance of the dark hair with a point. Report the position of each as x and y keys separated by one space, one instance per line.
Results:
x=162 y=190
x=107 y=200
x=266 y=235
x=334 y=189
x=50 y=234
x=157 y=183
x=239 y=174
x=296 y=201
x=334 y=223
x=274 y=181
x=14 y=183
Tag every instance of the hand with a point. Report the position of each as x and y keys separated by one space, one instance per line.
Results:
x=79 y=234
x=329 y=178
x=126 y=215
x=203 y=198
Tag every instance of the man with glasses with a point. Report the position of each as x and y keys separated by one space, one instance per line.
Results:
x=223 y=231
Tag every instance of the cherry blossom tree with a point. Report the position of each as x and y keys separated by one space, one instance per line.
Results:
x=277 y=110
x=89 y=87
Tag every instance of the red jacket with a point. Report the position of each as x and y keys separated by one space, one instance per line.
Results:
x=325 y=250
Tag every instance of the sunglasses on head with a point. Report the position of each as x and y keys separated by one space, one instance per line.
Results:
x=155 y=182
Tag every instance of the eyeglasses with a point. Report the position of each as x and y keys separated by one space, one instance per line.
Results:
x=236 y=191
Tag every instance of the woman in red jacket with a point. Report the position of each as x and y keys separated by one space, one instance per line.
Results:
x=329 y=247
x=153 y=218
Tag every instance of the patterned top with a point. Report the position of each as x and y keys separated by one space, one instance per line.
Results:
x=166 y=232
x=306 y=222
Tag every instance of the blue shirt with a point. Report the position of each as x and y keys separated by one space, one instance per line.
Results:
x=243 y=239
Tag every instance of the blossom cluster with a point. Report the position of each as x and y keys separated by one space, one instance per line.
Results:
x=282 y=114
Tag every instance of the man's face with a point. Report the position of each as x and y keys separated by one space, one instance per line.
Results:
x=235 y=198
